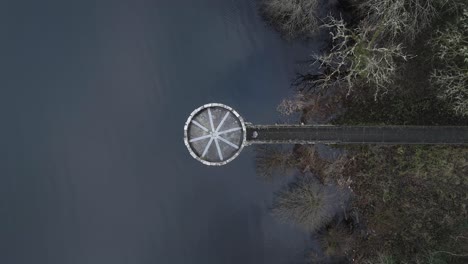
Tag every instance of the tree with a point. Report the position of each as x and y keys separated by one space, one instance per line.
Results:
x=357 y=57
x=308 y=204
x=402 y=18
x=451 y=77
x=292 y=18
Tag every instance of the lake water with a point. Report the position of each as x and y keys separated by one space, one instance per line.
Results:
x=94 y=95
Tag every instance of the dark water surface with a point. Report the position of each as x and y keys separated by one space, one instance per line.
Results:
x=93 y=98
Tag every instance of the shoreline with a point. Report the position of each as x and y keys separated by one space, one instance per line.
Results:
x=408 y=202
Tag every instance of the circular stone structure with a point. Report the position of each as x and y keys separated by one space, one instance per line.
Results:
x=214 y=134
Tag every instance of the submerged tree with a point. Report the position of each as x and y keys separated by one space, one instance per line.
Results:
x=271 y=160
x=308 y=204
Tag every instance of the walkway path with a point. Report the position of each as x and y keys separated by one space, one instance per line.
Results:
x=307 y=134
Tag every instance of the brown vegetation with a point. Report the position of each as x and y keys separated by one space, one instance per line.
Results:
x=413 y=200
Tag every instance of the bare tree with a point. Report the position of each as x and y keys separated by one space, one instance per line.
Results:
x=308 y=204
x=402 y=18
x=293 y=18
x=357 y=57
x=451 y=46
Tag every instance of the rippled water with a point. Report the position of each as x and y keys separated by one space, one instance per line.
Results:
x=94 y=95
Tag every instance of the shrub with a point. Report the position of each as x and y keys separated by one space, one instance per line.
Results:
x=293 y=105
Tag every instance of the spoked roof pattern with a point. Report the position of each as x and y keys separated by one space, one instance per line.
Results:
x=214 y=134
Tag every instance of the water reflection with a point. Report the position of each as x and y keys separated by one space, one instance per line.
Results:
x=95 y=98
